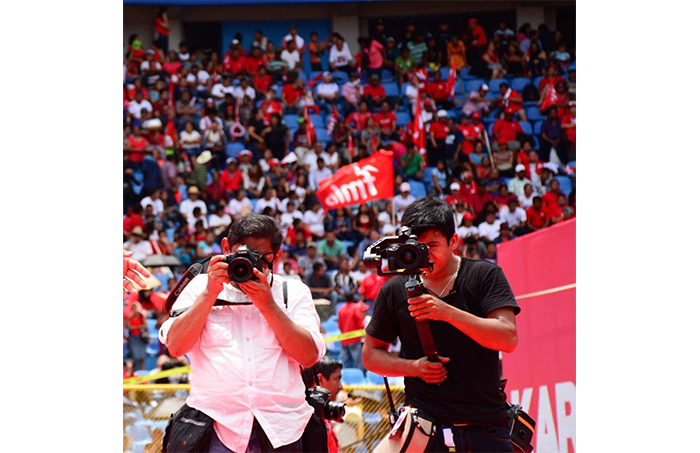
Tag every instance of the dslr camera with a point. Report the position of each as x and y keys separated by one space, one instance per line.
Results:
x=403 y=254
x=241 y=264
x=320 y=399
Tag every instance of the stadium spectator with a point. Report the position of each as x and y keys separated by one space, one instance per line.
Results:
x=506 y=130
x=331 y=250
x=438 y=133
x=412 y=164
x=536 y=61
x=244 y=90
x=262 y=81
x=373 y=94
x=391 y=53
x=510 y=101
x=291 y=96
x=371 y=136
x=239 y=205
x=327 y=93
x=276 y=136
x=549 y=199
x=136 y=145
x=351 y=317
x=491 y=59
x=139 y=104
x=437 y=89
x=317 y=174
x=568 y=125
x=339 y=56
x=553 y=146
x=386 y=122
x=351 y=92
x=317 y=50
x=515 y=60
x=296 y=39
x=291 y=56
x=403 y=199
x=254 y=181
x=404 y=65
x=369 y=288
x=477 y=102
x=536 y=216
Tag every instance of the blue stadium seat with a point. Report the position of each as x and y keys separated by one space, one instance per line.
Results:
x=527 y=127
x=333 y=347
x=374 y=378
x=428 y=176
x=290 y=119
x=494 y=83
x=445 y=72
x=571 y=164
x=402 y=118
x=527 y=104
x=391 y=89
x=538 y=127
x=519 y=83
x=473 y=85
x=564 y=184
x=321 y=134
x=533 y=114
x=330 y=325
x=233 y=148
x=315 y=74
x=340 y=77
x=292 y=130
x=353 y=376
x=417 y=189
x=387 y=76
x=536 y=81
x=317 y=120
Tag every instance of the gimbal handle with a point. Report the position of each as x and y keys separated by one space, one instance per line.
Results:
x=414 y=288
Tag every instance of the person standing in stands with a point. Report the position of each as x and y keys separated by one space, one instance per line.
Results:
x=162 y=27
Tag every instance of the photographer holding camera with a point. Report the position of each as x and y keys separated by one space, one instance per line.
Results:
x=247 y=393
x=471 y=312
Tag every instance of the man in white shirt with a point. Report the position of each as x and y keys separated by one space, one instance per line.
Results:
x=245 y=353
x=187 y=206
x=517 y=185
x=319 y=173
x=238 y=204
x=491 y=228
x=219 y=220
x=513 y=214
x=138 y=245
x=339 y=57
x=291 y=56
x=154 y=200
x=293 y=36
x=139 y=103
x=403 y=199
x=311 y=157
x=219 y=91
x=269 y=200
x=290 y=213
x=328 y=89
x=244 y=90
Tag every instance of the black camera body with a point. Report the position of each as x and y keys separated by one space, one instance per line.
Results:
x=241 y=264
x=320 y=399
x=403 y=253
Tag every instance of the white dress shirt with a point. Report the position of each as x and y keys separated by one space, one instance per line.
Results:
x=240 y=370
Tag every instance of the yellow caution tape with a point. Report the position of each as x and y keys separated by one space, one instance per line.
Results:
x=345 y=336
x=160 y=374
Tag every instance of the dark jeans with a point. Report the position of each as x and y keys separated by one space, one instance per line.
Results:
x=476 y=439
x=258 y=443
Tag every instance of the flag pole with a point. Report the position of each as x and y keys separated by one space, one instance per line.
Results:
x=488 y=148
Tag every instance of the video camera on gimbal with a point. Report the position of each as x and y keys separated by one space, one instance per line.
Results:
x=402 y=254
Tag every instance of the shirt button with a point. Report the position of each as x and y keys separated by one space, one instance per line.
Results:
x=247 y=317
x=249 y=359
x=250 y=383
x=247 y=338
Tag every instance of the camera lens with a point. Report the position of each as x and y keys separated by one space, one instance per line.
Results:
x=407 y=257
x=240 y=270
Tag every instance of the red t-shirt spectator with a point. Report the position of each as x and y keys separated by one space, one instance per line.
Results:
x=231 y=182
x=358 y=120
x=479 y=36
x=133 y=220
x=269 y=109
x=471 y=131
x=371 y=285
x=235 y=66
x=477 y=201
x=506 y=130
x=549 y=200
x=376 y=92
x=549 y=81
x=351 y=316
x=172 y=67
x=384 y=120
x=290 y=94
x=262 y=84
x=437 y=90
x=137 y=143
x=510 y=106
x=536 y=217
x=440 y=129
x=252 y=64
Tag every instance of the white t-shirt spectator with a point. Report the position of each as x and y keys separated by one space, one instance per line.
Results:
x=317 y=175
x=287 y=218
x=202 y=79
x=146 y=65
x=401 y=204
x=205 y=123
x=189 y=136
x=464 y=232
x=136 y=107
x=327 y=89
x=311 y=159
x=218 y=224
x=299 y=41
x=187 y=206
x=490 y=231
x=291 y=58
x=340 y=58
x=315 y=221
x=273 y=202
x=219 y=90
x=513 y=218
x=157 y=204
x=240 y=93
x=234 y=206
x=526 y=202
x=142 y=250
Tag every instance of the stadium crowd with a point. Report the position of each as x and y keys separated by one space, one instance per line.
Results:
x=210 y=137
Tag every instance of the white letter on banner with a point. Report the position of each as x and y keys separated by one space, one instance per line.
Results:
x=354 y=190
x=565 y=392
x=527 y=397
x=367 y=177
x=338 y=193
x=546 y=431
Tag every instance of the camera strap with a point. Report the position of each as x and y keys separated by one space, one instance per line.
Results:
x=186 y=279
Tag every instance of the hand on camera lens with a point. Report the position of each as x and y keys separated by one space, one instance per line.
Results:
x=258 y=290
x=431 y=372
x=217 y=274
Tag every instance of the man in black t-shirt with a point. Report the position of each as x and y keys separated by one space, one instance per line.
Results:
x=471 y=311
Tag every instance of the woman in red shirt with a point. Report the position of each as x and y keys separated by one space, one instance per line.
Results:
x=136 y=144
x=270 y=106
x=135 y=324
x=490 y=57
x=162 y=29
x=173 y=65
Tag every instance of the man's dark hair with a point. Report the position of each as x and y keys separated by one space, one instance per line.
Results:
x=429 y=213
x=317 y=266
x=327 y=366
x=256 y=226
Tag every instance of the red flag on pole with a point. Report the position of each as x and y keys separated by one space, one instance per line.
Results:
x=313 y=81
x=351 y=148
x=418 y=128
x=451 y=79
x=549 y=99
x=332 y=119
x=310 y=130
x=366 y=180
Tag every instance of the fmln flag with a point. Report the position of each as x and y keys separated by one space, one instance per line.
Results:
x=310 y=130
x=332 y=119
x=419 y=128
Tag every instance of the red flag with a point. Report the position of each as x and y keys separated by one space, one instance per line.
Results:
x=418 y=128
x=549 y=99
x=368 y=179
x=373 y=143
x=310 y=130
x=351 y=148
x=451 y=79
x=332 y=119
x=313 y=81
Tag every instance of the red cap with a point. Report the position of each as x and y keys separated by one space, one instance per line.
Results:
x=476 y=115
x=472 y=20
x=468 y=215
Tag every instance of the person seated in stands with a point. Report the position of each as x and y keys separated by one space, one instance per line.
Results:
x=317 y=49
x=373 y=94
x=339 y=57
x=276 y=66
x=510 y=101
x=244 y=90
x=291 y=95
x=327 y=93
x=506 y=130
x=292 y=57
x=391 y=54
x=254 y=62
x=536 y=216
x=357 y=121
x=386 y=121
x=262 y=81
x=404 y=65
x=438 y=91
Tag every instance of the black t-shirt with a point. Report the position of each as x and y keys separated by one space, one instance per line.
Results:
x=471 y=391
x=275 y=140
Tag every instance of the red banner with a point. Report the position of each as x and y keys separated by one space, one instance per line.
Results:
x=541 y=372
x=368 y=179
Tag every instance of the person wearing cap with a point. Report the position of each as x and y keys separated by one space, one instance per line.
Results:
x=516 y=185
x=339 y=56
x=455 y=195
x=403 y=199
x=192 y=201
x=466 y=224
x=438 y=133
x=477 y=101
x=278 y=330
x=138 y=244
x=373 y=93
x=327 y=93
